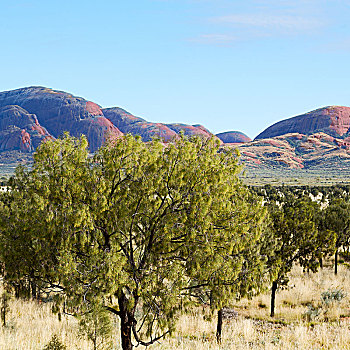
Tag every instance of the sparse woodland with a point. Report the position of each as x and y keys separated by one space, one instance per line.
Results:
x=154 y=245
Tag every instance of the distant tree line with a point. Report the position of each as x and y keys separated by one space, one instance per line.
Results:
x=146 y=231
x=309 y=224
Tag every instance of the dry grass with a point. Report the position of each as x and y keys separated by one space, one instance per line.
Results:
x=31 y=325
x=249 y=334
x=303 y=289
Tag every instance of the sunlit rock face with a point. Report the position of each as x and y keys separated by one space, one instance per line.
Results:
x=52 y=113
x=20 y=130
x=59 y=111
x=319 y=138
x=129 y=124
x=298 y=151
x=233 y=137
x=190 y=130
x=333 y=120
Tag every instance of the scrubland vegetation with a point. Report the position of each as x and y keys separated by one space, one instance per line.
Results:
x=31 y=325
x=156 y=244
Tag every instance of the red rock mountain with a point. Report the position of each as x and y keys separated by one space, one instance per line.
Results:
x=297 y=151
x=319 y=139
x=29 y=115
x=20 y=130
x=59 y=111
x=333 y=120
x=233 y=137
x=129 y=124
x=190 y=130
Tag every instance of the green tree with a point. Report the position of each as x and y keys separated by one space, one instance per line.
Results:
x=243 y=271
x=294 y=229
x=96 y=325
x=136 y=225
x=337 y=219
x=326 y=238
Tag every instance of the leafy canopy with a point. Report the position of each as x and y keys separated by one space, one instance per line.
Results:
x=135 y=227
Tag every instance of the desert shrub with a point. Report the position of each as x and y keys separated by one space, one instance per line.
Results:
x=329 y=301
x=312 y=312
x=97 y=327
x=55 y=344
x=332 y=296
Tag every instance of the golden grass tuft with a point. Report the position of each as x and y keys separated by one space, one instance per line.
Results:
x=31 y=324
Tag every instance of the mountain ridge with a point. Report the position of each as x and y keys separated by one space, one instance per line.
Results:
x=58 y=111
x=31 y=115
x=333 y=120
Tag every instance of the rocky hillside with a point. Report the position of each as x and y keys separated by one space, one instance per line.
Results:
x=333 y=120
x=297 y=151
x=30 y=115
x=56 y=112
x=233 y=137
x=318 y=139
x=20 y=129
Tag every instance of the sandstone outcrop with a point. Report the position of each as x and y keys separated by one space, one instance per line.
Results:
x=129 y=124
x=233 y=137
x=297 y=151
x=332 y=120
x=42 y=112
x=190 y=130
x=20 y=130
x=29 y=116
x=59 y=111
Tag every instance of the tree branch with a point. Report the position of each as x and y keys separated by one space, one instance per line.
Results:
x=139 y=341
x=114 y=311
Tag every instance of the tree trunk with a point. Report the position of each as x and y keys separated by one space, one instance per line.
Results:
x=33 y=290
x=94 y=340
x=273 y=298
x=336 y=262
x=125 y=322
x=321 y=263
x=3 y=309
x=219 y=326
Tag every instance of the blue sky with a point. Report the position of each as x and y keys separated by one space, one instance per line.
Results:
x=229 y=65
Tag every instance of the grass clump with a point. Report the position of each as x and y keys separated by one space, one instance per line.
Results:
x=328 y=307
x=55 y=344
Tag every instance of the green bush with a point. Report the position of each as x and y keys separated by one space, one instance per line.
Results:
x=55 y=344
x=332 y=296
x=97 y=327
x=329 y=299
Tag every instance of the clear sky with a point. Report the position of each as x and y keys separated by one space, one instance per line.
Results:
x=229 y=65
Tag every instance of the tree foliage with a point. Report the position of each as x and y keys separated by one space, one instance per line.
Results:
x=336 y=218
x=294 y=225
x=137 y=227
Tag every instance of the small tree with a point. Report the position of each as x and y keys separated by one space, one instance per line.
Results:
x=136 y=225
x=243 y=271
x=55 y=344
x=293 y=224
x=337 y=219
x=97 y=327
